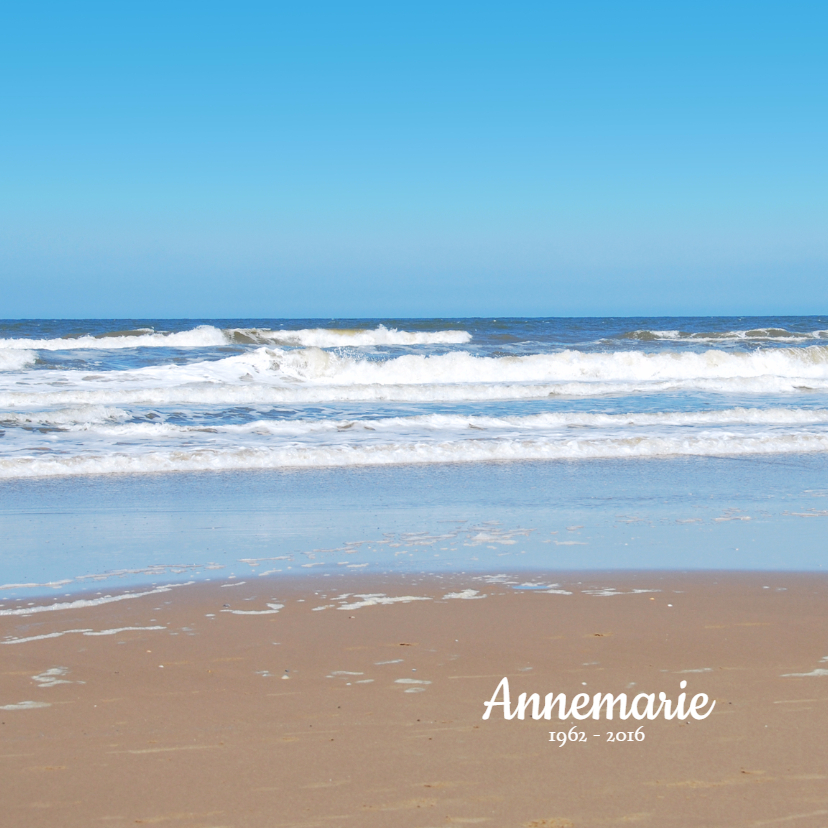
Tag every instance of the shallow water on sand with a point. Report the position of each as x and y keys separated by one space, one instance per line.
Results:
x=65 y=535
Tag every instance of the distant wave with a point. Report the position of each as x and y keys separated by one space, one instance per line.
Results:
x=207 y=336
x=204 y=336
x=755 y=334
x=332 y=338
x=454 y=451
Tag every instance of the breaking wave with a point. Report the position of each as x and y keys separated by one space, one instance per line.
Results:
x=111 y=422
x=269 y=397
x=753 y=335
x=81 y=416
x=454 y=451
x=207 y=336
x=307 y=375
x=333 y=338
x=17 y=360
x=313 y=365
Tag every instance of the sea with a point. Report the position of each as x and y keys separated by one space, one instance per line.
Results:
x=148 y=451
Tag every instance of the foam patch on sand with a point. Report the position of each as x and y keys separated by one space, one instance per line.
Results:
x=54 y=676
x=418 y=685
x=368 y=600
x=76 y=632
x=606 y=592
x=818 y=672
x=465 y=595
x=272 y=609
x=25 y=705
x=379 y=599
x=90 y=602
x=152 y=571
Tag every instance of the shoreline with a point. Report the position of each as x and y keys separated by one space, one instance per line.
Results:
x=320 y=700
x=296 y=581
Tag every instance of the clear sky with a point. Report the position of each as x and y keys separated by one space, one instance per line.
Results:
x=318 y=159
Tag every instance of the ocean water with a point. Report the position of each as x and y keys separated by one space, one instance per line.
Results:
x=93 y=397
x=150 y=448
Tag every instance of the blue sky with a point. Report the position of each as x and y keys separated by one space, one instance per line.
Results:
x=413 y=159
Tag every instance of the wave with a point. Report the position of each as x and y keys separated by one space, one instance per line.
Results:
x=108 y=445
x=255 y=395
x=204 y=336
x=316 y=366
x=454 y=451
x=274 y=375
x=268 y=395
x=109 y=422
x=313 y=365
x=17 y=360
x=79 y=416
x=207 y=336
x=753 y=335
x=353 y=338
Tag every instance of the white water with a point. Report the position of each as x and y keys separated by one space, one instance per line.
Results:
x=453 y=451
x=753 y=335
x=15 y=360
x=267 y=375
x=270 y=397
x=208 y=336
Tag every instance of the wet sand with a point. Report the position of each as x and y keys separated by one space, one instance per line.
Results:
x=246 y=704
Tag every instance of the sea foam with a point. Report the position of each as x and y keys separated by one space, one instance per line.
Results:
x=208 y=336
x=454 y=451
x=267 y=375
x=272 y=396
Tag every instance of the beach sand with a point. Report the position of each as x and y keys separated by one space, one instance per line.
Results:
x=370 y=714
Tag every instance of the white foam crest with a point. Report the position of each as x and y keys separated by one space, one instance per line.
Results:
x=17 y=360
x=358 y=338
x=717 y=443
x=147 y=437
x=265 y=394
x=204 y=336
x=453 y=422
x=313 y=366
x=208 y=336
x=78 y=416
x=274 y=376
x=752 y=335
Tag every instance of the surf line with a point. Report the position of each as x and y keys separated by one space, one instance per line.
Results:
x=642 y=706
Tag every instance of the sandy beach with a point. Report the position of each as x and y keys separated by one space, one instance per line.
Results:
x=344 y=701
